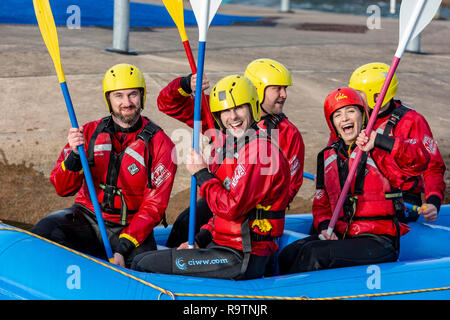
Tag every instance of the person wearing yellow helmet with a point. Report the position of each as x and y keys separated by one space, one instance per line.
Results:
x=397 y=121
x=271 y=79
x=130 y=158
x=243 y=188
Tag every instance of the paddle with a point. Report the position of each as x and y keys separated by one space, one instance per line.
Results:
x=415 y=15
x=204 y=11
x=176 y=11
x=48 y=30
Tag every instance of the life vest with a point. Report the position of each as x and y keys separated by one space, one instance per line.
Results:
x=262 y=223
x=121 y=177
x=371 y=205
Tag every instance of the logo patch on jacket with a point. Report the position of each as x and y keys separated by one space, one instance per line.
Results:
x=133 y=169
x=429 y=144
x=159 y=175
x=239 y=172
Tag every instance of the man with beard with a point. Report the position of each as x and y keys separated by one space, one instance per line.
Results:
x=132 y=167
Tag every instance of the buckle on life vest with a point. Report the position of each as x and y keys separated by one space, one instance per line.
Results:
x=108 y=200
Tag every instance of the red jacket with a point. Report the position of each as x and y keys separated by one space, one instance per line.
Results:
x=414 y=128
x=176 y=103
x=146 y=205
x=290 y=141
x=249 y=183
x=371 y=200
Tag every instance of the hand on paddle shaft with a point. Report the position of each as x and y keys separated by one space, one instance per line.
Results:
x=195 y=162
x=205 y=82
x=364 y=143
x=75 y=138
x=428 y=211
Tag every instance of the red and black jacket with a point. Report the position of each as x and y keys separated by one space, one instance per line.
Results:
x=133 y=172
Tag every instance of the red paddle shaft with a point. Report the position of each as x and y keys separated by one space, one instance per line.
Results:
x=205 y=104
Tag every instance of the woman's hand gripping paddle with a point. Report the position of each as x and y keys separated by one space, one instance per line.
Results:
x=415 y=15
x=204 y=11
x=48 y=30
x=176 y=11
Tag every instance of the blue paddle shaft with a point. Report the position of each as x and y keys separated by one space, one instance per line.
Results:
x=308 y=176
x=87 y=174
x=196 y=138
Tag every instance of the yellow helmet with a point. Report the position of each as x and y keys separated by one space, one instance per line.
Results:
x=369 y=79
x=231 y=92
x=267 y=72
x=123 y=76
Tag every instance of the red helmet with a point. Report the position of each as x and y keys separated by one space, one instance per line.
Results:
x=339 y=98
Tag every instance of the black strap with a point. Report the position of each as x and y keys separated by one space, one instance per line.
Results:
x=320 y=174
x=394 y=118
x=271 y=121
x=265 y=214
x=246 y=245
x=361 y=174
x=100 y=128
x=146 y=135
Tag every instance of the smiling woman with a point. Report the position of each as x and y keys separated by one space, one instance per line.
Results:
x=345 y=113
x=348 y=122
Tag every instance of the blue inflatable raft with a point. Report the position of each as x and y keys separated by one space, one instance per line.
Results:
x=35 y=268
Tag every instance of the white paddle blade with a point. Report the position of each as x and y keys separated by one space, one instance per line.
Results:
x=204 y=11
x=415 y=15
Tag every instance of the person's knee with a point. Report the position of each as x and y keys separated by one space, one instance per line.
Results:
x=48 y=224
x=153 y=261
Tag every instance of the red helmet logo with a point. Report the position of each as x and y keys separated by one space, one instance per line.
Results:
x=340 y=96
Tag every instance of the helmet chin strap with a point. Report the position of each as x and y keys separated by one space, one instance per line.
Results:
x=264 y=109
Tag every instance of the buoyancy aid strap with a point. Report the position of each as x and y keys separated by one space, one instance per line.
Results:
x=320 y=173
x=361 y=174
x=246 y=245
x=91 y=147
x=394 y=118
x=146 y=135
x=271 y=122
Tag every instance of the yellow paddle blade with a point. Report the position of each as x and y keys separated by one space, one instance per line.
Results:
x=47 y=26
x=175 y=9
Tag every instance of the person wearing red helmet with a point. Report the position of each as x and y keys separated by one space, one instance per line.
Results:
x=131 y=161
x=367 y=230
